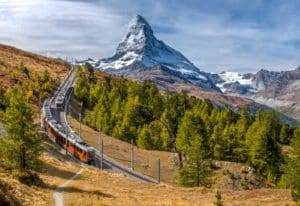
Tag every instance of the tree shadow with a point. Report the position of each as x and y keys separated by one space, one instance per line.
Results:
x=7 y=197
x=65 y=174
x=72 y=189
x=57 y=172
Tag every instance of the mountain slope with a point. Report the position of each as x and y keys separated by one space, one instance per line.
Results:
x=11 y=58
x=141 y=53
x=280 y=90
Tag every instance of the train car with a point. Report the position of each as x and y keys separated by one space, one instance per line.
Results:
x=59 y=103
x=57 y=133
x=75 y=146
x=81 y=150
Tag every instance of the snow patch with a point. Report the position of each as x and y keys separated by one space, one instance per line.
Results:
x=124 y=61
x=231 y=77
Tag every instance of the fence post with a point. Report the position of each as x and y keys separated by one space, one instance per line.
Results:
x=158 y=171
x=100 y=145
x=101 y=162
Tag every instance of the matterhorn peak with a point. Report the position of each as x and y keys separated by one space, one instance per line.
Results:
x=141 y=49
x=139 y=34
x=139 y=23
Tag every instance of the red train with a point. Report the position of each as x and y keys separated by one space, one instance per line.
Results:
x=67 y=140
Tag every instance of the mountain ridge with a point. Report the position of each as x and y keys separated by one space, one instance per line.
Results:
x=277 y=89
x=141 y=48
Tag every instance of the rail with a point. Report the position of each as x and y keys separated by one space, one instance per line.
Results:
x=68 y=84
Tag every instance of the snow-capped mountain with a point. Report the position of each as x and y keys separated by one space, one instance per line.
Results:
x=142 y=54
x=232 y=82
x=280 y=90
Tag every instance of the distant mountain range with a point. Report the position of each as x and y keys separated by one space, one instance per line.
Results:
x=142 y=56
x=280 y=90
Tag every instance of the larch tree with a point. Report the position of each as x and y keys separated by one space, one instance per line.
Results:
x=21 y=144
x=192 y=142
x=284 y=135
x=264 y=151
x=291 y=177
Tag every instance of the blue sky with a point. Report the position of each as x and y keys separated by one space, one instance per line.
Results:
x=232 y=35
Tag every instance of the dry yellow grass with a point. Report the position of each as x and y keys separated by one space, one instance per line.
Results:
x=11 y=74
x=96 y=187
x=145 y=161
x=11 y=59
x=102 y=188
x=54 y=173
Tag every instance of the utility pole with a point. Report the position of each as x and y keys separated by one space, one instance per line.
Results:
x=101 y=162
x=99 y=138
x=132 y=155
x=158 y=171
x=80 y=125
x=100 y=146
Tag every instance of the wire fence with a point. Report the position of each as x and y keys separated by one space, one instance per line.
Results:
x=143 y=161
x=155 y=164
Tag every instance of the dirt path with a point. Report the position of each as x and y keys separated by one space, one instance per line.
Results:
x=57 y=194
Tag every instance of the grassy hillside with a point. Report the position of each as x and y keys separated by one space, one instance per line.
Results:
x=11 y=58
x=18 y=67
x=145 y=161
x=96 y=187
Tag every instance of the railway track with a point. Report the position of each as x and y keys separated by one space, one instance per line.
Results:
x=54 y=118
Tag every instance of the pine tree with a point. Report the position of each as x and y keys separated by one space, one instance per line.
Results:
x=291 y=177
x=264 y=152
x=151 y=136
x=20 y=144
x=100 y=116
x=284 y=135
x=132 y=120
x=243 y=123
x=217 y=142
x=230 y=143
x=144 y=138
x=192 y=142
x=82 y=86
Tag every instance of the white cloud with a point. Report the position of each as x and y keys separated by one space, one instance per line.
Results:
x=69 y=28
x=207 y=36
